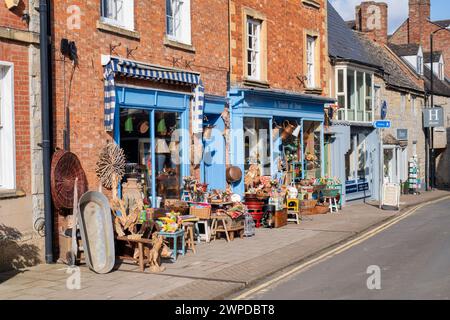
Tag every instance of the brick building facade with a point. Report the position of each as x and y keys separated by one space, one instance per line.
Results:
x=286 y=26
x=418 y=27
x=21 y=193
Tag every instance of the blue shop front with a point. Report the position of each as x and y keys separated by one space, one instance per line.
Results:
x=152 y=113
x=276 y=134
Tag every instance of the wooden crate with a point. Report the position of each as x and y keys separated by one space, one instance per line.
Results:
x=280 y=218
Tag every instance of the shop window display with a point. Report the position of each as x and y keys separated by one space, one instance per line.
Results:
x=136 y=141
x=312 y=139
x=257 y=145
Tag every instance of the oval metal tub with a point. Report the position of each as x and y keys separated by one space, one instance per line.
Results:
x=97 y=232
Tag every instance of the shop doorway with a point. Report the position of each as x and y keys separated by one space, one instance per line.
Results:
x=395 y=165
x=214 y=162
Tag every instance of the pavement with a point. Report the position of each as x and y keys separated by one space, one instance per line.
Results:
x=217 y=271
x=411 y=260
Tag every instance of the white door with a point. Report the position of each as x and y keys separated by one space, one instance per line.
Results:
x=7 y=138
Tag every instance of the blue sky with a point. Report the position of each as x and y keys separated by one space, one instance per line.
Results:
x=398 y=10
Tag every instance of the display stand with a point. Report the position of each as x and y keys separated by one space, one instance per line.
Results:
x=413 y=176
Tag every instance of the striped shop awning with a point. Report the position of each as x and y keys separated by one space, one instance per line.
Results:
x=132 y=69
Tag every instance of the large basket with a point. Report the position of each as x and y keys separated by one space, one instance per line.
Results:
x=203 y=213
x=307 y=204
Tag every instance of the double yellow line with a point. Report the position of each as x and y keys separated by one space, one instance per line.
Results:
x=361 y=238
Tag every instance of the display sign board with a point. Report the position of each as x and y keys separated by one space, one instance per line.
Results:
x=382 y=124
x=391 y=196
x=433 y=117
x=402 y=134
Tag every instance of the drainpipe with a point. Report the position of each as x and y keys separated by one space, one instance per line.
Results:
x=46 y=143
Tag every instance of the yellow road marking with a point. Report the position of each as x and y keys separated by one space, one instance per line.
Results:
x=339 y=249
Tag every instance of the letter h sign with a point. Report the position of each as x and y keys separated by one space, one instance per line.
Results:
x=433 y=117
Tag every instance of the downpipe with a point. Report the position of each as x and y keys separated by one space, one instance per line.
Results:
x=46 y=125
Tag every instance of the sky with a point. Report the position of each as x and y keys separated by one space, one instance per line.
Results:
x=397 y=10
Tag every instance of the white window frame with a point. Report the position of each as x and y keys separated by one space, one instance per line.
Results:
x=7 y=127
x=343 y=114
x=311 y=42
x=122 y=15
x=254 y=50
x=178 y=21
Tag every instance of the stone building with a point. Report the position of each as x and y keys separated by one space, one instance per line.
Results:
x=411 y=41
x=21 y=190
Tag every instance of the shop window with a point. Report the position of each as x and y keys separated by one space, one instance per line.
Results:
x=362 y=157
x=257 y=145
x=253 y=48
x=178 y=20
x=354 y=92
x=135 y=139
x=312 y=139
x=118 y=12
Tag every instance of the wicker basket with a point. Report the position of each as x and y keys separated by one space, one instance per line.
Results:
x=201 y=212
x=307 y=204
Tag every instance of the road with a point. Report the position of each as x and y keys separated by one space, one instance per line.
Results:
x=413 y=257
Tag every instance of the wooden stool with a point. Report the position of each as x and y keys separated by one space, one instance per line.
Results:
x=293 y=216
x=333 y=204
x=215 y=226
x=175 y=236
x=189 y=234
x=206 y=234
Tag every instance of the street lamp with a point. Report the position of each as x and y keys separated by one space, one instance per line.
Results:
x=432 y=177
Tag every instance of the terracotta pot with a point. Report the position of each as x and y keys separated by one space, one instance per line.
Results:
x=234 y=174
x=288 y=129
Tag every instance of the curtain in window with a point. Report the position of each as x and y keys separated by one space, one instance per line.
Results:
x=173 y=20
x=112 y=9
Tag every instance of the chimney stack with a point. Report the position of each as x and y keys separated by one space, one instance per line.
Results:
x=419 y=13
x=372 y=19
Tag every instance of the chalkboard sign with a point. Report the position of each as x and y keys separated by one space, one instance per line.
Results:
x=391 y=196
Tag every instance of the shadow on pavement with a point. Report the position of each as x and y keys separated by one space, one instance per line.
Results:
x=15 y=255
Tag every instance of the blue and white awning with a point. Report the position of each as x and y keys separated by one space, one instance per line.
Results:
x=132 y=69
